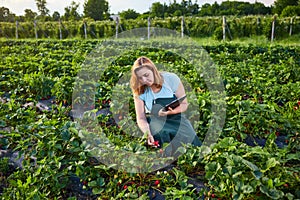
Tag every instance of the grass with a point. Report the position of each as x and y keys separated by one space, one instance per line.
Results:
x=293 y=40
x=255 y=40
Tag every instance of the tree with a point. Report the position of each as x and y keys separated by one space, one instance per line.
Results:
x=96 y=9
x=29 y=15
x=238 y=8
x=215 y=8
x=279 y=5
x=129 y=14
x=261 y=9
x=206 y=10
x=71 y=12
x=158 y=10
x=6 y=15
x=41 y=6
x=291 y=11
x=175 y=8
x=229 y=8
x=55 y=16
x=193 y=9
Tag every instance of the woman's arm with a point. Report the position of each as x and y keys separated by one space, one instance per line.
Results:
x=142 y=120
x=180 y=93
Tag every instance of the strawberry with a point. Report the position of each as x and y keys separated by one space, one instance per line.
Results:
x=213 y=195
x=156 y=182
x=156 y=143
x=84 y=182
x=125 y=187
x=287 y=141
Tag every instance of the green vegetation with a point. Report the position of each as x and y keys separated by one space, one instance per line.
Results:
x=254 y=40
x=262 y=102
x=99 y=10
x=255 y=157
x=196 y=27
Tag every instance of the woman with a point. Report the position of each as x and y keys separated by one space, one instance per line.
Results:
x=152 y=90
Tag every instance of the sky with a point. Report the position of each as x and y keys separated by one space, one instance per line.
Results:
x=18 y=6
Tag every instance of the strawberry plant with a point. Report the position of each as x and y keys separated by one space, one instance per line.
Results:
x=61 y=156
x=237 y=171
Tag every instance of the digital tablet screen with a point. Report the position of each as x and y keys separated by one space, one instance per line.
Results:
x=174 y=103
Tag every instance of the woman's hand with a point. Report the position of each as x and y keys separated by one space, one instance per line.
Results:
x=163 y=113
x=151 y=140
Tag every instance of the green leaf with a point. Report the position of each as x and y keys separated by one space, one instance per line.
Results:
x=73 y=130
x=270 y=183
x=65 y=135
x=237 y=196
x=272 y=193
x=237 y=174
x=247 y=189
x=294 y=156
x=272 y=162
x=2 y=123
x=249 y=164
x=92 y=183
x=289 y=196
x=257 y=174
x=97 y=190
x=222 y=185
x=205 y=150
x=211 y=170
x=101 y=182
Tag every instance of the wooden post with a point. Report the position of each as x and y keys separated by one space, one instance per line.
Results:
x=35 y=29
x=273 y=29
x=60 y=33
x=291 y=26
x=224 y=28
x=228 y=31
x=85 y=32
x=149 y=24
x=117 y=26
x=258 y=25
x=182 y=26
x=17 y=26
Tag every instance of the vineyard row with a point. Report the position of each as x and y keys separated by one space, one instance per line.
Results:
x=237 y=27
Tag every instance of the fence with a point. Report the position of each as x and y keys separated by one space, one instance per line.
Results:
x=221 y=28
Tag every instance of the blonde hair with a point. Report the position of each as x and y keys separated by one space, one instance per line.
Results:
x=136 y=87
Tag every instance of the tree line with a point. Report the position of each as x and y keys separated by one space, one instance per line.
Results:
x=98 y=10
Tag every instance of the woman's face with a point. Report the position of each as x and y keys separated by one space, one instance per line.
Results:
x=145 y=76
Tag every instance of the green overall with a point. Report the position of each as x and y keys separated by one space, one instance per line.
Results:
x=173 y=129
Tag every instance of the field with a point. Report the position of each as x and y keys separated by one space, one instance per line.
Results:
x=251 y=103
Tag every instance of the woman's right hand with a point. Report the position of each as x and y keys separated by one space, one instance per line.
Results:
x=150 y=140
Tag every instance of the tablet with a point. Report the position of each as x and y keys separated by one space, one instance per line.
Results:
x=174 y=103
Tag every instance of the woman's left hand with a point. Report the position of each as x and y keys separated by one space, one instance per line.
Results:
x=163 y=113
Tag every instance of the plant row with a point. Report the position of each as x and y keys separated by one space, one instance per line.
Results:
x=193 y=27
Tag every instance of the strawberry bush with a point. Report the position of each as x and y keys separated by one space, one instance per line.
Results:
x=262 y=106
